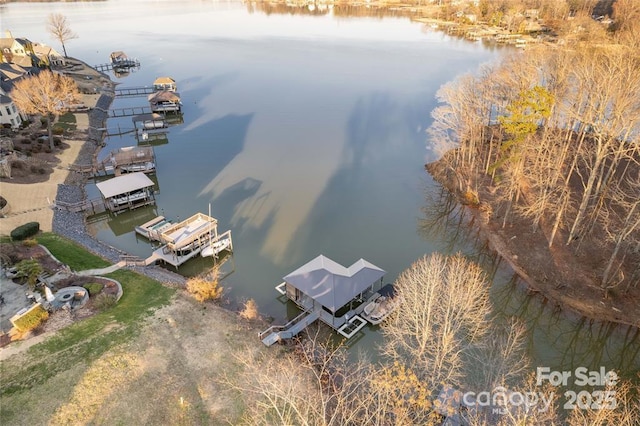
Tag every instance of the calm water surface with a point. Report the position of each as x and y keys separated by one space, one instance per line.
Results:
x=306 y=135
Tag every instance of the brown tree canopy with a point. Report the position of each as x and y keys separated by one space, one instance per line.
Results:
x=48 y=94
x=58 y=27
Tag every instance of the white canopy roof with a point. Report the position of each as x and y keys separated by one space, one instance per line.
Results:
x=123 y=184
x=331 y=284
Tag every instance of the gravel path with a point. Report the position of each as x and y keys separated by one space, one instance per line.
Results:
x=72 y=225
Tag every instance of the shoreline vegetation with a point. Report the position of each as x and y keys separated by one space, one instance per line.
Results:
x=543 y=148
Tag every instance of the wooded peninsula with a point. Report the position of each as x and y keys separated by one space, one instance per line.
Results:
x=547 y=153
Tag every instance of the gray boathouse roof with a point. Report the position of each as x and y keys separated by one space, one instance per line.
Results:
x=331 y=284
x=124 y=184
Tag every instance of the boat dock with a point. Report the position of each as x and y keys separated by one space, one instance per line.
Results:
x=124 y=160
x=327 y=291
x=185 y=240
x=133 y=63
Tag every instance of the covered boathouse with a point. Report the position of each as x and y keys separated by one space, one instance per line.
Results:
x=327 y=291
x=127 y=192
x=182 y=241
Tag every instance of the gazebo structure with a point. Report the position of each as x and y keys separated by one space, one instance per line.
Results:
x=328 y=291
x=127 y=192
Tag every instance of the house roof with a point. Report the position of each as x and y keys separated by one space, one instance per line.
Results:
x=123 y=184
x=5 y=100
x=164 y=96
x=119 y=54
x=164 y=80
x=331 y=284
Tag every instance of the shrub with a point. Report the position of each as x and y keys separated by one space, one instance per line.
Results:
x=250 y=310
x=17 y=164
x=25 y=231
x=204 y=288
x=470 y=198
x=29 y=269
x=58 y=131
x=33 y=168
x=43 y=123
x=93 y=288
x=31 y=242
x=31 y=319
x=104 y=301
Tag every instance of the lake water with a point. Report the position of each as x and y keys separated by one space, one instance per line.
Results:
x=306 y=136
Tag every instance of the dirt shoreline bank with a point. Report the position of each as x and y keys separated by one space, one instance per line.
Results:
x=545 y=271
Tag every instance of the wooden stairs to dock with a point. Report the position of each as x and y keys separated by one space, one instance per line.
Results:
x=277 y=333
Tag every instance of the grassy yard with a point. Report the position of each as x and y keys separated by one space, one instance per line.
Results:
x=157 y=357
x=74 y=348
x=66 y=122
x=70 y=253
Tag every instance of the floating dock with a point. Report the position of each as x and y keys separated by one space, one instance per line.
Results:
x=152 y=229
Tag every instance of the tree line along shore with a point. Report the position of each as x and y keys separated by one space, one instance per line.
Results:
x=547 y=151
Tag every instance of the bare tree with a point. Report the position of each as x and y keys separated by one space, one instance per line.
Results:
x=622 y=221
x=443 y=314
x=48 y=94
x=58 y=27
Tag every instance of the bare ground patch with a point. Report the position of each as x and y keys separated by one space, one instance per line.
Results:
x=168 y=374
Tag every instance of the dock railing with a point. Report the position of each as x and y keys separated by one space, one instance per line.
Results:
x=277 y=328
x=130 y=260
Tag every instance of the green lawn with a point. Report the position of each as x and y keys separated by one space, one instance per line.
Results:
x=66 y=121
x=84 y=341
x=70 y=253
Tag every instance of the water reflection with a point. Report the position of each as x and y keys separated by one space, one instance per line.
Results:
x=557 y=339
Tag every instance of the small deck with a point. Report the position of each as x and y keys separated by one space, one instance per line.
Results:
x=152 y=229
x=351 y=327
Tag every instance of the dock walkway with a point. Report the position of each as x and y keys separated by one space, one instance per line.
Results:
x=134 y=91
x=277 y=333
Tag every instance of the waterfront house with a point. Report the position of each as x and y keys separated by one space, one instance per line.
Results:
x=9 y=114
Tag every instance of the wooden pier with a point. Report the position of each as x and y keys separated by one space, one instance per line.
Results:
x=134 y=91
x=124 y=66
x=129 y=111
x=124 y=160
x=88 y=207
